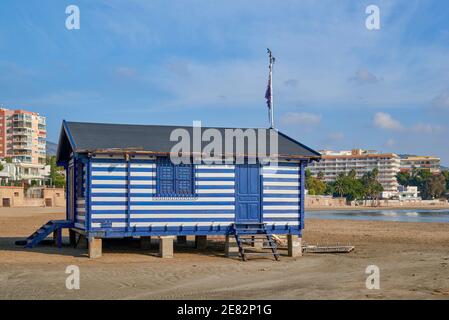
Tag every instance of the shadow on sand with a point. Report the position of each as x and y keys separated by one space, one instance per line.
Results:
x=126 y=246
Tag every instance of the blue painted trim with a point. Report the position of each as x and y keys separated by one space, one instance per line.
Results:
x=161 y=231
x=74 y=187
x=302 y=183
x=69 y=136
x=128 y=199
x=67 y=193
x=88 y=203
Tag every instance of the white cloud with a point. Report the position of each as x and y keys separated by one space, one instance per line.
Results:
x=384 y=120
x=303 y=118
x=428 y=128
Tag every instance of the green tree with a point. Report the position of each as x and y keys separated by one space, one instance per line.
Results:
x=434 y=187
x=403 y=178
x=315 y=186
x=57 y=179
x=347 y=186
x=445 y=174
x=371 y=186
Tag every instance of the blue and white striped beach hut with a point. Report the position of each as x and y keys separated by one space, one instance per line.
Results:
x=121 y=182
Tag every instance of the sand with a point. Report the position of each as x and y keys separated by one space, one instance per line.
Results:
x=413 y=259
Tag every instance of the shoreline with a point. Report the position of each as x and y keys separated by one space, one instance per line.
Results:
x=365 y=208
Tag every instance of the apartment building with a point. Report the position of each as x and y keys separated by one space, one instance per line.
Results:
x=23 y=136
x=23 y=139
x=362 y=161
x=409 y=163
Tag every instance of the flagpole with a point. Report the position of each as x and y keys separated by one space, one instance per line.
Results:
x=272 y=59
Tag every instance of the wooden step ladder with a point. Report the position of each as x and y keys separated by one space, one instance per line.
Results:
x=247 y=234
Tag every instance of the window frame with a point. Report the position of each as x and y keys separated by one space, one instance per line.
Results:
x=162 y=163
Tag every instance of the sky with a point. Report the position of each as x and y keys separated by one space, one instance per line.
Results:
x=337 y=85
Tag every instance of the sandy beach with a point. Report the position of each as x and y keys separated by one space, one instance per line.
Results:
x=413 y=259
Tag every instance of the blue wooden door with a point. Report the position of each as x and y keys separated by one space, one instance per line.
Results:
x=247 y=194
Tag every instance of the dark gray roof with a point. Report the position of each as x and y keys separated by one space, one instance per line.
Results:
x=93 y=137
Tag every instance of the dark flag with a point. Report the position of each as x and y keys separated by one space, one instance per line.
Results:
x=268 y=92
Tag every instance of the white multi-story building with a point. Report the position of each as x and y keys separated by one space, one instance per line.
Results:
x=408 y=193
x=24 y=172
x=432 y=164
x=334 y=163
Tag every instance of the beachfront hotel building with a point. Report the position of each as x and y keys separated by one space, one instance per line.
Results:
x=362 y=161
x=23 y=136
x=409 y=163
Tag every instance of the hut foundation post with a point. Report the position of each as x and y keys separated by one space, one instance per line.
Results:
x=82 y=242
x=95 y=247
x=294 y=245
x=57 y=238
x=166 y=247
x=145 y=242
x=72 y=237
x=231 y=248
x=257 y=243
x=182 y=240
x=201 y=242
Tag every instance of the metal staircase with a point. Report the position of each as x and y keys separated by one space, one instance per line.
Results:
x=248 y=234
x=47 y=229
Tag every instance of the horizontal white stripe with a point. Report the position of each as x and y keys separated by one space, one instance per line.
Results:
x=281 y=215
x=81 y=202
x=110 y=190
x=163 y=224
x=270 y=191
x=139 y=199
x=80 y=218
x=109 y=174
x=280 y=183
x=142 y=182
x=215 y=183
x=281 y=176
x=283 y=223
x=140 y=191
x=185 y=216
x=116 y=207
x=215 y=191
x=81 y=210
x=109 y=182
x=214 y=175
x=199 y=199
x=185 y=224
x=215 y=167
x=109 y=199
x=265 y=199
x=143 y=165
x=181 y=207
x=108 y=165
x=281 y=207
x=280 y=168
x=143 y=174
x=108 y=216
